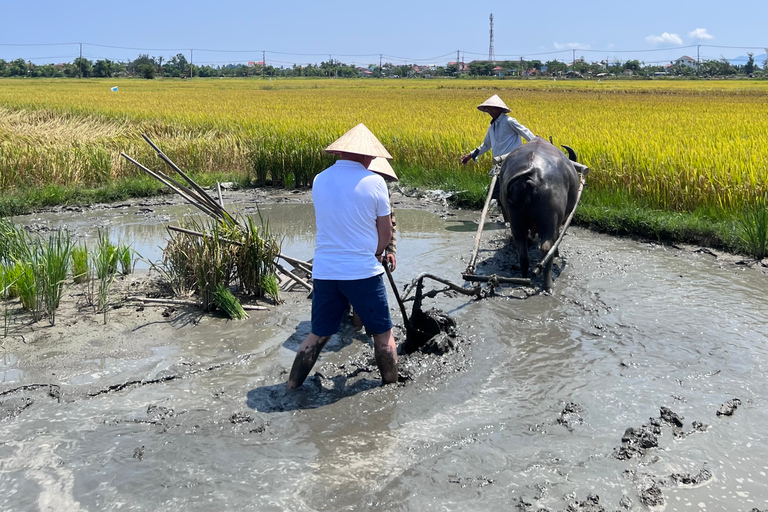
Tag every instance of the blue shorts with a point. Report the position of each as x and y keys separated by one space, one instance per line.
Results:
x=331 y=299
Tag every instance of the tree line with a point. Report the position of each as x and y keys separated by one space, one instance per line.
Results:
x=179 y=67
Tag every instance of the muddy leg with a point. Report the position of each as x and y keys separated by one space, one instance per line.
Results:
x=521 y=243
x=386 y=356
x=548 y=275
x=305 y=359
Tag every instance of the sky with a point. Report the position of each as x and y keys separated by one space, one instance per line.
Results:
x=397 y=31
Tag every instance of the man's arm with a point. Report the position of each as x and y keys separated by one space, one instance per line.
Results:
x=520 y=129
x=480 y=150
x=384 y=229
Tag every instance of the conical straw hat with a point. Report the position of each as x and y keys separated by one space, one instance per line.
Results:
x=493 y=101
x=361 y=141
x=381 y=166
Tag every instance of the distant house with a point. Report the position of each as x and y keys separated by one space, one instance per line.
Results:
x=463 y=66
x=685 y=61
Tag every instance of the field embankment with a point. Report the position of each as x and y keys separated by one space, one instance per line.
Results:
x=671 y=159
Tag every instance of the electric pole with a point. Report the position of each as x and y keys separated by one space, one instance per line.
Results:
x=698 y=58
x=191 y=63
x=458 y=66
x=573 y=65
x=380 y=56
x=80 y=62
x=263 y=62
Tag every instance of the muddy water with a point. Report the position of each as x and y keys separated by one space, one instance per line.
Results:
x=528 y=414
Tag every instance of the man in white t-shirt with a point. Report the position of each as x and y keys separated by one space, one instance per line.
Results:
x=352 y=214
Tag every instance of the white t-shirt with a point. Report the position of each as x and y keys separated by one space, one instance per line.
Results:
x=348 y=198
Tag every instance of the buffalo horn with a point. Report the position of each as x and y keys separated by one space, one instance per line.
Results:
x=571 y=153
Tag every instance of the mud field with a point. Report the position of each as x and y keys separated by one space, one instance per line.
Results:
x=638 y=384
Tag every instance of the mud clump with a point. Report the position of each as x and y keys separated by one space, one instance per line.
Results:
x=652 y=496
x=670 y=418
x=431 y=332
x=590 y=504
x=729 y=407
x=650 y=488
x=680 y=479
x=570 y=415
x=477 y=481
x=14 y=406
x=636 y=441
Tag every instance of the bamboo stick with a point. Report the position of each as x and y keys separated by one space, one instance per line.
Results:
x=162 y=179
x=197 y=233
x=293 y=276
x=218 y=191
x=473 y=259
x=206 y=198
x=303 y=265
x=176 y=302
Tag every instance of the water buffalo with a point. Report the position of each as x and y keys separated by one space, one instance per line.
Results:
x=538 y=190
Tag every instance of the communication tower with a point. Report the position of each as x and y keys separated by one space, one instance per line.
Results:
x=491 y=57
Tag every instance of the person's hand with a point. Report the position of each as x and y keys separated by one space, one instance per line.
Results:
x=379 y=257
x=466 y=158
x=391 y=261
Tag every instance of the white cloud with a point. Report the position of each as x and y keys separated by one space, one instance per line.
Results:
x=700 y=33
x=571 y=46
x=665 y=38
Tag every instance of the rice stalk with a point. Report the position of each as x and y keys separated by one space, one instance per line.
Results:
x=53 y=262
x=105 y=265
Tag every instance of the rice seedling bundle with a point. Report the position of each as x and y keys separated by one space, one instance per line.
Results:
x=229 y=304
x=675 y=145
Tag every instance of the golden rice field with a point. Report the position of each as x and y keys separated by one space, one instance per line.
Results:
x=677 y=145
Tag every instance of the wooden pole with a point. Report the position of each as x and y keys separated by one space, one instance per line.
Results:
x=294 y=276
x=176 y=302
x=493 y=277
x=303 y=265
x=473 y=259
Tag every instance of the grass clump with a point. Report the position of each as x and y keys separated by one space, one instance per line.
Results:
x=753 y=227
x=81 y=268
x=125 y=259
x=224 y=255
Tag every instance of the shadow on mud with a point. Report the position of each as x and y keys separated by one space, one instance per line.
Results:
x=470 y=226
x=312 y=394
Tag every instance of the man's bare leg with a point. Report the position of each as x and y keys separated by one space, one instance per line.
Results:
x=386 y=356
x=305 y=359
